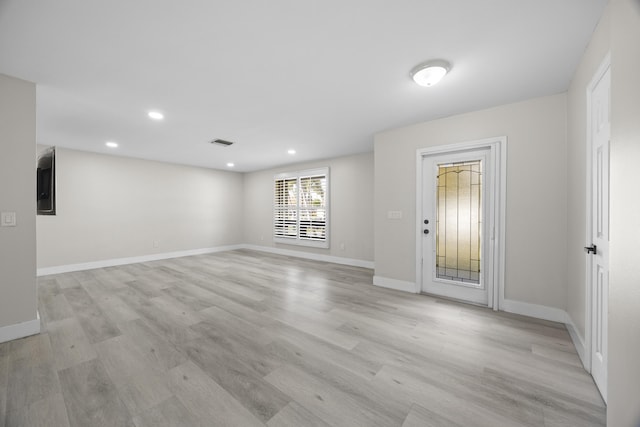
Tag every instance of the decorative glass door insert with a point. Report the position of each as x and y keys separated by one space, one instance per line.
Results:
x=459 y=222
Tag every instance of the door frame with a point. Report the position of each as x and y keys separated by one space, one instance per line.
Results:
x=497 y=147
x=588 y=338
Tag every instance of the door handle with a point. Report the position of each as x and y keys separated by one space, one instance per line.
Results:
x=593 y=249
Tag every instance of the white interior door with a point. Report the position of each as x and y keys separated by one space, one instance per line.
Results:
x=599 y=249
x=455 y=230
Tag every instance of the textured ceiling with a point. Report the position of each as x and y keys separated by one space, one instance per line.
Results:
x=320 y=77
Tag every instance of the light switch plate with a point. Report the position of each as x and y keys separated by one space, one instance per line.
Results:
x=7 y=219
x=394 y=214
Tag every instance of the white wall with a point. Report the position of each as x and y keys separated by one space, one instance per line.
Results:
x=111 y=207
x=577 y=171
x=624 y=278
x=351 y=204
x=17 y=194
x=536 y=193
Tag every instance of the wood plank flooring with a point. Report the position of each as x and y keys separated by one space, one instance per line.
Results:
x=245 y=338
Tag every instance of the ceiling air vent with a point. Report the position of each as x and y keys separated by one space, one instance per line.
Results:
x=221 y=142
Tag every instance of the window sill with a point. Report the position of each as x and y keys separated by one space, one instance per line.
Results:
x=301 y=242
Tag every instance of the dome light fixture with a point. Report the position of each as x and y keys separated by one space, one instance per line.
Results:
x=111 y=144
x=431 y=72
x=155 y=115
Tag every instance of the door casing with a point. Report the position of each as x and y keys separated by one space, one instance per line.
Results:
x=496 y=257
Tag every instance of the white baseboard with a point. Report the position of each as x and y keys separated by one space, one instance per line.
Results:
x=132 y=260
x=553 y=314
x=578 y=341
x=398 y=285
x=20 y=330
x=45 y=271
x=312 y=256
x=534 y=310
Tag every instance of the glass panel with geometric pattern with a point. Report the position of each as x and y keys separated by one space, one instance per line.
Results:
x=459 y=222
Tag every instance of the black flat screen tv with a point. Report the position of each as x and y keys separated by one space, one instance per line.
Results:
x=46 y=183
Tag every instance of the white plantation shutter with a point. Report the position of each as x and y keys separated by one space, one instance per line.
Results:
x=301 y=208
x=285 y=215
x=313 y=207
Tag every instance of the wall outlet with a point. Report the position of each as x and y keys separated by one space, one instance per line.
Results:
x=7 y=219
x=342 y=246
x=261 y=238
x=156 y=244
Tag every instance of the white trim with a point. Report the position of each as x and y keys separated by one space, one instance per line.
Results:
x=500 y=176
x=578 y=341
x=498 y=159
x=543 y=312
x=297 y=241
x=602 y=69
x=398 y=285
x=20 y=330
x=303 y=173
x=132 y=260
x=312 y=256
x=555 y=315
x=168 y=255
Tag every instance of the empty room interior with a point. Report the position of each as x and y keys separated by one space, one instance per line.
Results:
x=302 y=213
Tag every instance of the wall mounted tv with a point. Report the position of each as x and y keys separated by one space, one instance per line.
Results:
x=46 y=182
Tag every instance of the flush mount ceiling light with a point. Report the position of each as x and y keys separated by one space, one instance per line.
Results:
x=292 y=152
x=156 y=115
x=111 y=144
x=431 y=72
x=230 y=165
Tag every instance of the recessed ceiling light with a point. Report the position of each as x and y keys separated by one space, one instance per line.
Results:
x=230 y=164
x=291 y=152
x=111 y=144
x=431 y=72
x=156 y=115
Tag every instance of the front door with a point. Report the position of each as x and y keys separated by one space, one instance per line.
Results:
x=599 y=249
x=455 y=230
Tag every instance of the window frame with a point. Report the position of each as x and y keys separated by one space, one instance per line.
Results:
x=277 y=208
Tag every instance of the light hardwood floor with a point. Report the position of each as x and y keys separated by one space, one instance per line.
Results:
x=244 y=338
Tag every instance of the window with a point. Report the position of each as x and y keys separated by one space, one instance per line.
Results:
x=301 y=208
